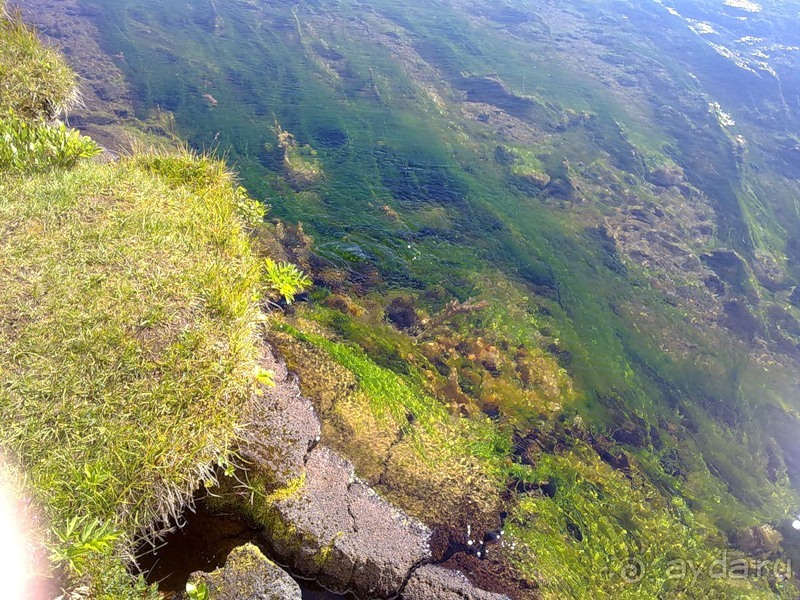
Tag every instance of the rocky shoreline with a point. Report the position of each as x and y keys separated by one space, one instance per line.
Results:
x=316 y=516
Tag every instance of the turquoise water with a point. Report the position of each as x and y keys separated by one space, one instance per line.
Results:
x=459 y=213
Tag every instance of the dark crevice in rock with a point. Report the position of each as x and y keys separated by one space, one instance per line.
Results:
x=311 y=447
x=202 y=543
x=388 y=461
x=416 y=566
x=350 y=507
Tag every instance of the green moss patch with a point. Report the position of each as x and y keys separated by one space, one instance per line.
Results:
x=402 y=439
x=599 y=533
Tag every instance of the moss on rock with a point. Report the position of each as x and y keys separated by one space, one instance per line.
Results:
x=247 y=575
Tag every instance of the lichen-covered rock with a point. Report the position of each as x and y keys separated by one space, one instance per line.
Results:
x=437 y=583
x=386 y=544
x=248 y=575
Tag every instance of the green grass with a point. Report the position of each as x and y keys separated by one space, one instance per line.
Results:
x=35 y=80
x=127 y=302
x=36 y=86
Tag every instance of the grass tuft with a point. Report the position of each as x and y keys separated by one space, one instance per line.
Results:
x=127 y=304
x=35 y=80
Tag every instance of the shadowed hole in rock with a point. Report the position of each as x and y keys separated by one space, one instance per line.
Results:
x=491 y=90
x=330 y=137
x=203 y=544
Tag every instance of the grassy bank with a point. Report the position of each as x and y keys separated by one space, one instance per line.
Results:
x=35 y=81
x=128 y=297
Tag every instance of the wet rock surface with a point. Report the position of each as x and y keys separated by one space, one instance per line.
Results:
x=320 y=519
x=283 y=428
x=432 y=582
x=344 y=534
x=248 y=575
x=759 y=540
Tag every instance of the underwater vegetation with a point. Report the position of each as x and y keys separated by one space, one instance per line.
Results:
x=555 y=263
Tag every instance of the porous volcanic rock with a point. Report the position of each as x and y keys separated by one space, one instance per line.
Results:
x=248 y=575
x=314 y=514
x=430 y=582
x=283 y=428
x=339 y=530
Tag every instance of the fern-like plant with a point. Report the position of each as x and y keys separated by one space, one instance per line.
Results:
x=285 y=279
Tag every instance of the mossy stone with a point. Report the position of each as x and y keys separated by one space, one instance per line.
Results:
x=248 y=575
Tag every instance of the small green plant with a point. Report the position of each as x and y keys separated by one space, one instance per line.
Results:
x=35 y=146
x=252 y=212
x=197 y=591
x=224 y=463
x=264 y=376
x=285 y=279
x=80 y=539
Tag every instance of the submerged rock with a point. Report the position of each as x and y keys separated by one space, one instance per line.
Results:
x=437 y=583
x=759 y=540
x=729 y=267
x=666 y=176
x=248 y=575
x=401 y=313
x=530 y=181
